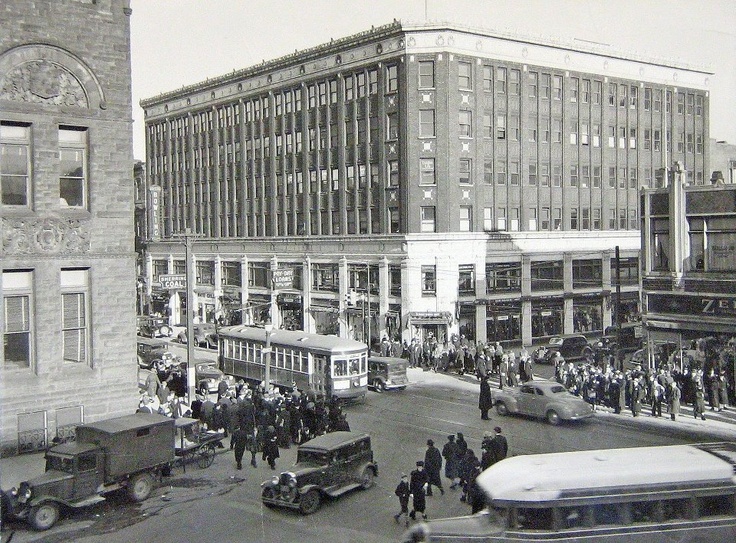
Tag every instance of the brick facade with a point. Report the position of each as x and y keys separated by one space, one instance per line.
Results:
x=66 y=65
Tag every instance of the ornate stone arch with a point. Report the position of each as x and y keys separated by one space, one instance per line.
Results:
x=46 y=74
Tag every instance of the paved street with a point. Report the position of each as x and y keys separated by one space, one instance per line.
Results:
x=222 y=504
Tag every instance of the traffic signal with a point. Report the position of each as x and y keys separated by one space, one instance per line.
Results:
x=351 y=298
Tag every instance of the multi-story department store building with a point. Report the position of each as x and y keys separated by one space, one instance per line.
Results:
x=471 y=182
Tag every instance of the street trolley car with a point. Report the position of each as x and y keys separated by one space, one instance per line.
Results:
x=683 y=493
x=326 y=365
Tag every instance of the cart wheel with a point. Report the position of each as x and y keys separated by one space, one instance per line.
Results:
x=44 y=516
x=205 y=456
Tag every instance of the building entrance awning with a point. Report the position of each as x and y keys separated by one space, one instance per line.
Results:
x=430 y=317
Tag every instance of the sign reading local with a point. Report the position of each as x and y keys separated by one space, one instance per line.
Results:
x=173 y=282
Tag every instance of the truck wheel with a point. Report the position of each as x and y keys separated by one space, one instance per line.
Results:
x=44 y=516
x=309 y=503
x=140 y=487
x=378 y=385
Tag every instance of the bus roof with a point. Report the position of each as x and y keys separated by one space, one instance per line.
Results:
x=542 y=477
x=295 y=338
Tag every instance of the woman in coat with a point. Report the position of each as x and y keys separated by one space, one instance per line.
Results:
x=673 y=400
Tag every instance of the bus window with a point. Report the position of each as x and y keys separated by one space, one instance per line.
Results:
x=676 y=509
x=607 y=513
x=643 y=512
x=573 y=517
x=713 y=506
x=340 y=368
x=533 y=519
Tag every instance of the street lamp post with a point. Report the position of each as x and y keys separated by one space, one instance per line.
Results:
x=191 y=372
x=266 y=354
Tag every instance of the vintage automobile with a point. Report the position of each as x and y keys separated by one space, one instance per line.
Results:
x=386 y=373
x=153 y=327
x=205 y=335
x=149 y=351
x=570 y=347
x=207 y=374
x=543 y=399
x=326 y=466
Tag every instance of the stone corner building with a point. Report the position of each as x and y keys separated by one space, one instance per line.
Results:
x=68 y=275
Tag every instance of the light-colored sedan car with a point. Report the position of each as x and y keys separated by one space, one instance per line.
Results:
x=544 y=399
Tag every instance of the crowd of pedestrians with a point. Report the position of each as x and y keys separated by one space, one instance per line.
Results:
x=461 y=467
x=256 y=420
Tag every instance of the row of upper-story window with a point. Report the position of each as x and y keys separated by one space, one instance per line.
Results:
x=504 y=80
x=711 y=244
x=544 y=275
x=534 y=219
x=17 y=165
x=284 y=101
x=504 y=172
x=21 y=313
x=548 y=130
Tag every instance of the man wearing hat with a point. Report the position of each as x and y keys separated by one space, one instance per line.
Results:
x=451 y=453
x=418 y=486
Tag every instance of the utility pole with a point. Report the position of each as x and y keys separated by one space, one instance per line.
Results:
x=619 y=357
x=188 y=237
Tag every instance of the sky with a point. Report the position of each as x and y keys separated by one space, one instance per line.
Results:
x=180 y=42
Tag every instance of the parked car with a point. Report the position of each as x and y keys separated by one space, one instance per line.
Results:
x=385 y=373
x=150 y=350
x=542 y=399
x=632 y=336
x=209 y=375
x=326 y=466
x=205 y=335
x=153 y=327
x=571 y=347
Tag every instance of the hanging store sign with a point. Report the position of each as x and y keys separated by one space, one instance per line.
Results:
x=283 y=278
x=692 y=305
x=173 y=282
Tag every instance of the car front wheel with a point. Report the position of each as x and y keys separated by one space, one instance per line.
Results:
x=269 y=494
x=501 y=408
x=553 y=417
x=309 y=502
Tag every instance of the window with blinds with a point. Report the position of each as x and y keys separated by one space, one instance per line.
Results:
x=17 y=336
x=75 y=318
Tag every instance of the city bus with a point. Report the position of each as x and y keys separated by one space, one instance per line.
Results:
x=683 y=493
x=326 y=365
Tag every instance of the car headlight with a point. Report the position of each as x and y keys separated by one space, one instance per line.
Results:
x=13 y=491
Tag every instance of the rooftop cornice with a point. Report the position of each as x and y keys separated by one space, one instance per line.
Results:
x=292 y=59
x=398 y=27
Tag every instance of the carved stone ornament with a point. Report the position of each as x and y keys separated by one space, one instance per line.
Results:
x=43 y=82
x=45 y=236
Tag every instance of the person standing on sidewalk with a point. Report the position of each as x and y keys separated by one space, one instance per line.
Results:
x=673 y=400
x=699 y=404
